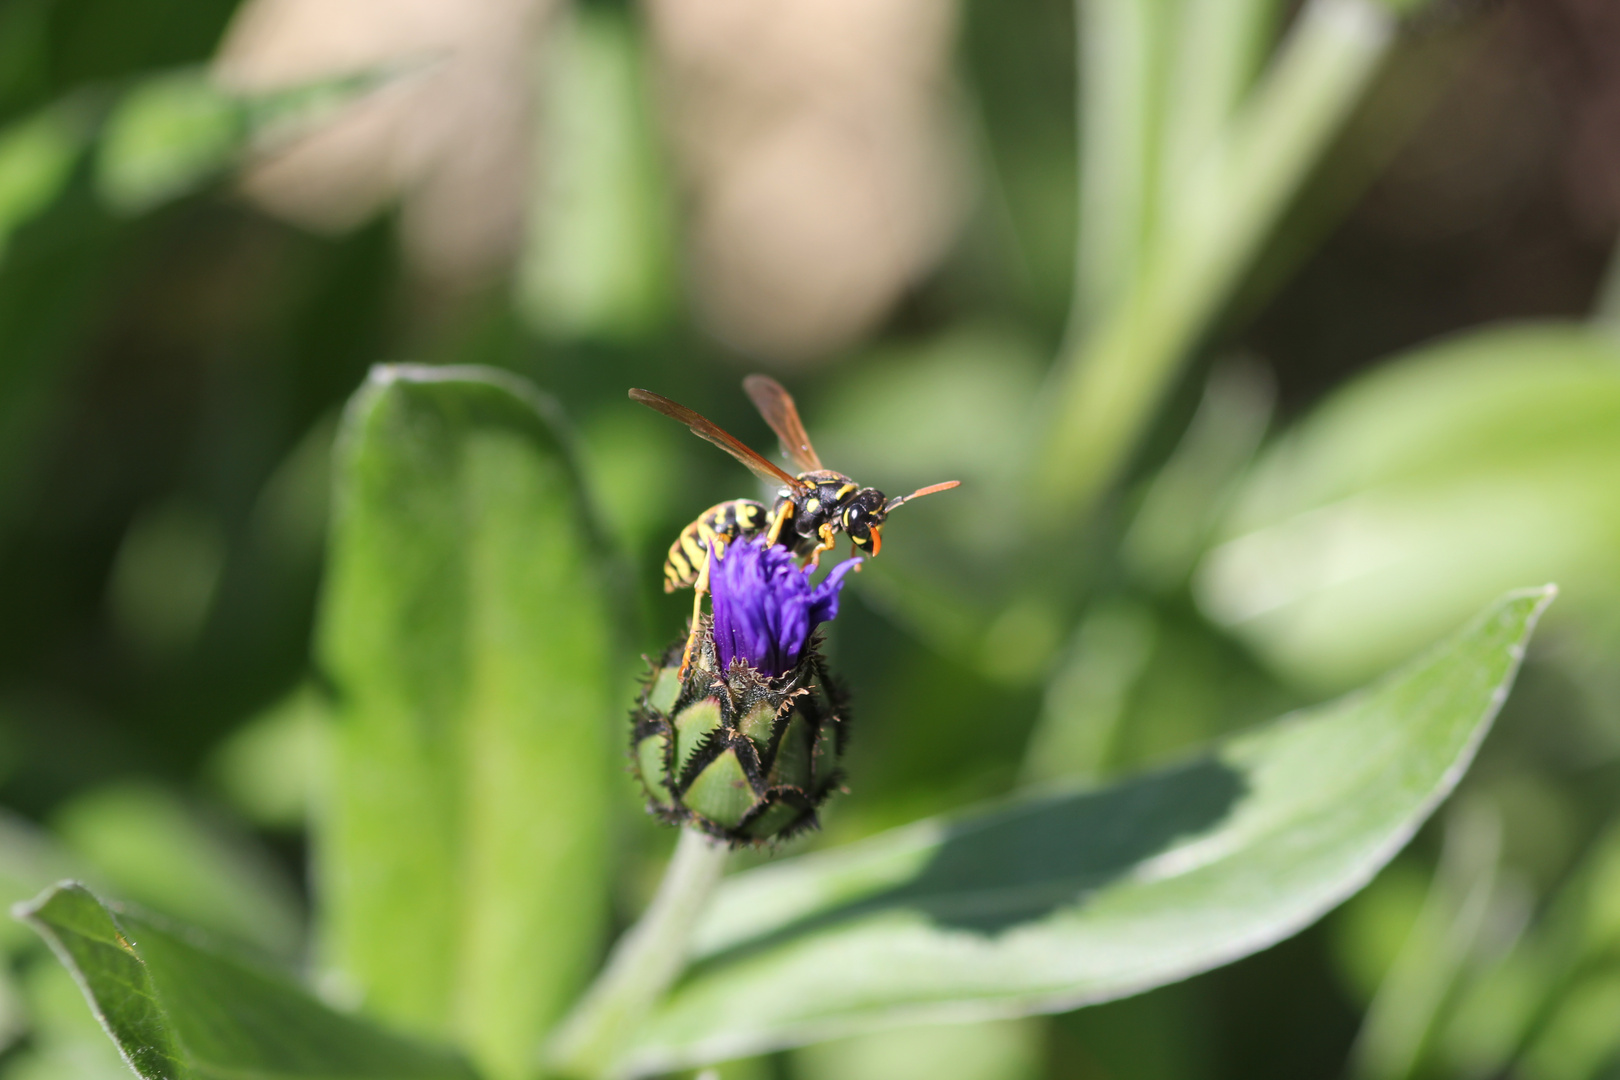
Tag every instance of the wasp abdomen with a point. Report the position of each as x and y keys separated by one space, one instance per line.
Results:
x=730 y=519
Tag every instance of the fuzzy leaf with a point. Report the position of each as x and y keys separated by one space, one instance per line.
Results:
x=1419 y=491
x=178 y=1009
x=466 y=633
x=1079 y=896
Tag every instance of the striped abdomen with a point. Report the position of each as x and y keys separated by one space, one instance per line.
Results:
x=730 y=519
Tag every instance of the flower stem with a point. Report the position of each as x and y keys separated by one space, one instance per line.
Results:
x=643 y=965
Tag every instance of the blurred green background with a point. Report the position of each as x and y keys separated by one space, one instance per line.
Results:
x=214 y=218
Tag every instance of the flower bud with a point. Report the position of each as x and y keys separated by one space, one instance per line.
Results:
x=743 y=756
x=746 y=747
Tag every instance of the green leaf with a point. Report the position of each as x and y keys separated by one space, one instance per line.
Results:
x=145 y=844
x=1113 y=376
x=36 y=161
x=1079 y=896
x=29 y=861
x=166 y=137
x=598 y=261
x=1420 y=491
x=270 y=767
x=174 y=132
x=179 y=1009
x=462 y=848
x=990 y=1050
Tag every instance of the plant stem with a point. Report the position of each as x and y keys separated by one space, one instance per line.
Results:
x=1120 y=45
x=1108 y=387
x=643 y=965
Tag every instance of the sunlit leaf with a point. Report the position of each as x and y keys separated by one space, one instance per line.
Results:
x=462 y=849
x=1420 y=491
x=1079 y=896
x=180 y=1009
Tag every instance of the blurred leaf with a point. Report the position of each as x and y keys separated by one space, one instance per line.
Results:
x=1081 y=896
x=165 y=138
x=172 y=133
x=29 y=861
x=1583 y=1036
x=1183 y=503
x=599 y=261
x=1088 y=696
x=1118 y=366
x=179 y=1009
x=1122 y=70
x=956 y=407
x=1216 y=49
x=1371 y=928
x=150 y=847
x=165 y=576
x=463 y=850
x=1511 y=1001
x=1160 y=1035
x=13 y=1016
x=36 y=161
x=1144 y=685
x=634 y=464
x=1418 y=492
x=291 y=510
x=273 y=768
x=1409 y=1003
x=988 y=1050
x=24 y=52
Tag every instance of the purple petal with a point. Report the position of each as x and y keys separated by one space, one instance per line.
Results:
x=824 y=601
x=764 y=607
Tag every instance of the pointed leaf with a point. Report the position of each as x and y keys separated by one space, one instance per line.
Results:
x=1079 y=896
x=461 y=854
x=179 y=1009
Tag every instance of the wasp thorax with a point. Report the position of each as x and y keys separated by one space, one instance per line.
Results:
x=742 y=756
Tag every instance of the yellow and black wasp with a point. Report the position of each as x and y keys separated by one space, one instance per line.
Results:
x=809 y=510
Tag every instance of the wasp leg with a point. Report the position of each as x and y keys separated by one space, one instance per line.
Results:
x=715 y=549
x=827 y=542
x=777 y=522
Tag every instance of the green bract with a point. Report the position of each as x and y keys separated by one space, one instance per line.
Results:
x=743 y=757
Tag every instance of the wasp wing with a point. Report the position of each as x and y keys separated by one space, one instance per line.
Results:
x=707 y=429
x=776 y=406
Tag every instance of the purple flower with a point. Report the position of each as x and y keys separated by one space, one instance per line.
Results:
x=765 y=607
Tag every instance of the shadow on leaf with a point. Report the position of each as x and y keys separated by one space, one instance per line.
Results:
x=1052 y=852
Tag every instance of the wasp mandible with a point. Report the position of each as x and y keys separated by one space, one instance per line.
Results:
x=809 y=510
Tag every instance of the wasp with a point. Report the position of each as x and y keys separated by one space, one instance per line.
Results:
x=808 y=513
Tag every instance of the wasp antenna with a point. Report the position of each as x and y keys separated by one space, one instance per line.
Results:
x=919 y=493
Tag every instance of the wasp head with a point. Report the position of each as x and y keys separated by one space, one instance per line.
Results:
x=862 y=519
x=867 y=509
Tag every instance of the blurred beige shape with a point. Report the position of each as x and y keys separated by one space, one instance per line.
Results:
x=450 y=137
x=821 y=156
